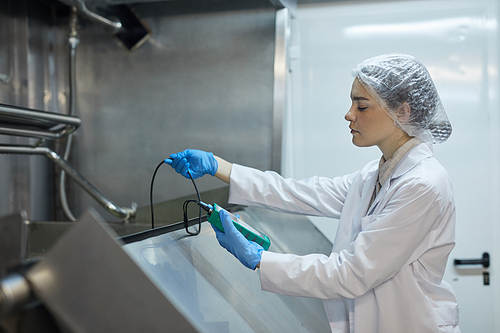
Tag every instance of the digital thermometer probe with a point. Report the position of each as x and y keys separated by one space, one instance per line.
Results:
x=249 y=232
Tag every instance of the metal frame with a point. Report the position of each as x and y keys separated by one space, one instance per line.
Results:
x=279 y=93
x=291 y=5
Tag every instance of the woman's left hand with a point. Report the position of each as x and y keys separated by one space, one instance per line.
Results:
x=247 y=252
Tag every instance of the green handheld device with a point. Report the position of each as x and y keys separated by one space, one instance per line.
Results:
x=250 y=233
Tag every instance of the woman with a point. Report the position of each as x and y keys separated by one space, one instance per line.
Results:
x=397 y=215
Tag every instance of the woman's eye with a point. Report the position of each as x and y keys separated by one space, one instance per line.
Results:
x=362 y=108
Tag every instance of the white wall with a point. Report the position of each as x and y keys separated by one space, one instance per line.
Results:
x=457 y=41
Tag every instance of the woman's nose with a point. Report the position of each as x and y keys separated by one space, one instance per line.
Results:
x=349 y=116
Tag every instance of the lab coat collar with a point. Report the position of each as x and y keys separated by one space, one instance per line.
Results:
x=408 y=162
x=414 y=156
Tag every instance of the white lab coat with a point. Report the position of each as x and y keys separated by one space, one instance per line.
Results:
x=386 y=267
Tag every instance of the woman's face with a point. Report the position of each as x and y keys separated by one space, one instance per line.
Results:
x=369 y=123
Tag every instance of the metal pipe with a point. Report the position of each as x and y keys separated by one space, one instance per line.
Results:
x=15 y=292
x=24 y=122
x=123 y=213
x=73 y=41
x=37 y=133
x=114 y=26
x=29 y=114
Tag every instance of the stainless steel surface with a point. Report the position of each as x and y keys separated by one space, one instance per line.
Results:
x=280 y=74
x=204 y=81
x=124 y=213
x=12 y=241
x=90 y=284
x=218 y=292
x=279 y=4
x=15 y=120
x=29 y=57
x=15 y=292
x=290 y=5
x=289 y=233
x=42 y=235
x=14 y=184
x=85 y=276
x=113 y=25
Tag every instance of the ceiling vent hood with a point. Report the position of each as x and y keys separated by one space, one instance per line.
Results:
x=278 y=4
x=119 y=17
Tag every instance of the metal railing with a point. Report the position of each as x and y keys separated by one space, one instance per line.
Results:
x=123 y=213
x=19 y=121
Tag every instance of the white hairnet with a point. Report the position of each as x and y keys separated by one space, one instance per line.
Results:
x=396 y=79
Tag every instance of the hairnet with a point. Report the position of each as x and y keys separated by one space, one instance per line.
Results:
x=396 y=79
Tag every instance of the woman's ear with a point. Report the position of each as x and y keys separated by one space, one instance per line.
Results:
x=404 y=113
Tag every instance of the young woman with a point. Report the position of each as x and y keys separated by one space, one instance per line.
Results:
x=397 y=215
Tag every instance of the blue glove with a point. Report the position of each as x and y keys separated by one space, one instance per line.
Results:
x=247 y=252
x=197 y=162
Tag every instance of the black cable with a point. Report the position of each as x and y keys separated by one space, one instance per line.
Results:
x=151 y=195
x=195 y=188
x=184 y=207
x=186 y=220
x=164 y=229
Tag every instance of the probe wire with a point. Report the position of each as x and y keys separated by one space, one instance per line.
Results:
x=184 y=207
x=151 y=195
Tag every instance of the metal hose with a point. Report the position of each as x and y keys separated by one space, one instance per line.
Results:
x=73 y=42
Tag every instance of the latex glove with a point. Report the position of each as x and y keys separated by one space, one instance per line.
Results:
x=197 y=162
x=247 y=252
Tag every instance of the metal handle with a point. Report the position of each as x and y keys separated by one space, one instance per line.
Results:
x=485 y=261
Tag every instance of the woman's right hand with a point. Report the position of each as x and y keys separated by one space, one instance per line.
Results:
x=197 y=162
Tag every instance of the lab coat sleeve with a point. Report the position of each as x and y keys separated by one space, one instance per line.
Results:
x=318 y=196
x=399 y=235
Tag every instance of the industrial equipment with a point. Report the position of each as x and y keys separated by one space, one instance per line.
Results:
x=91 y=280
x=19 y=121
